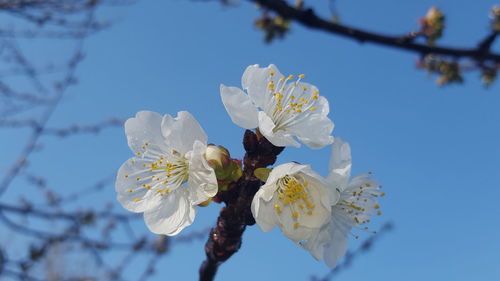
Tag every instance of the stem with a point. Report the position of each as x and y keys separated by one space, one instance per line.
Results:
x=225 y=238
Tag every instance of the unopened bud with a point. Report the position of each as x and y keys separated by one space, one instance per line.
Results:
x=433 y=25
x=495 y=18
x=217 y=157
x=227 y=170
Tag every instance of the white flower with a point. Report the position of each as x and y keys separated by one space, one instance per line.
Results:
x=295 y=199
x=170 y=175
x=357 y=202
x=279 y=108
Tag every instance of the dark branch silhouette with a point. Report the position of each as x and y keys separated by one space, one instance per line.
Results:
x=308 y=18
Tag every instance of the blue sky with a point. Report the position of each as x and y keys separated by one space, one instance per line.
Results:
x=435 y=150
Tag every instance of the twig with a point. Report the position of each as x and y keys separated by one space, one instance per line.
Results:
x=225 y=237
x=308 y=17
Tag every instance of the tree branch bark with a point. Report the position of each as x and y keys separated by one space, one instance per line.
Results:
x=308 y=17
x=225 y=238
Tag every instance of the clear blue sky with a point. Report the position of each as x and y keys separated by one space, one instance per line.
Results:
x=435 y=150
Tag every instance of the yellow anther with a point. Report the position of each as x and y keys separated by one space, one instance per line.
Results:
x=290 y=77
x=356 y=219
x=304 y=89
x=137 y=179
x=310 y=205
x=309 y=212
x=312 y=108
x=379 y=213
x=148 y=187
x=130 y=190
x=306 y=183
x=271 y=73
x=301 y=206
x=126 y=176
x=301 y=76
x=278 y=208
x=292 y=97
x=368 y=185
x=382 y=194
x=138 y=153
x=298 y=110
x=376 y=206
x=295 y=215
x=295 y=225
x=137 y=199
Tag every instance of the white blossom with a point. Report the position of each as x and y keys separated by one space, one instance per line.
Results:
x=280 y=108
x=169 y=175
x=295 y=199
x=357 y=202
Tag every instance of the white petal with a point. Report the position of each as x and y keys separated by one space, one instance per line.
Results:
x=278 y=138
x=336 y=248
x=172 y=215
x=181 y=132
x=239 y=107
x=202 y=183
x=341 y=160
x=131 y=193
x=263 y=212
x=255 y=81
x=144 y=127
x=315 y=128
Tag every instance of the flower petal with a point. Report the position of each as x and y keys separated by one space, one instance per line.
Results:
x=263 y=212
x=315 y=130
x=181 y=132
x=144 y=127
x=202 y=183
x=255 y=81
x=340 y=164
x=278 y=138
x=130 y=186
x=337 y=246
x=239 y=107
x=172 y=215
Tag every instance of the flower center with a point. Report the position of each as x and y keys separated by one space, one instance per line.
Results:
x=169 y=169
x=293 y=194
x=288 y=104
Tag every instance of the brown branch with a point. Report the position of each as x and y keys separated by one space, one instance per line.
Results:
x=225 y=238
x=308 y=17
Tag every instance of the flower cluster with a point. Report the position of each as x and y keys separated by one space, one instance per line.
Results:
x=174 y=170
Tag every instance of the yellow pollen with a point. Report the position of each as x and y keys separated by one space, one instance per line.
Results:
x=290 y=76
x=301 y=76
x=137 y=199
x=271 y=73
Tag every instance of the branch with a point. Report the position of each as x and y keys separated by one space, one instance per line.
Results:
x=308 y=17
x=225 y=238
